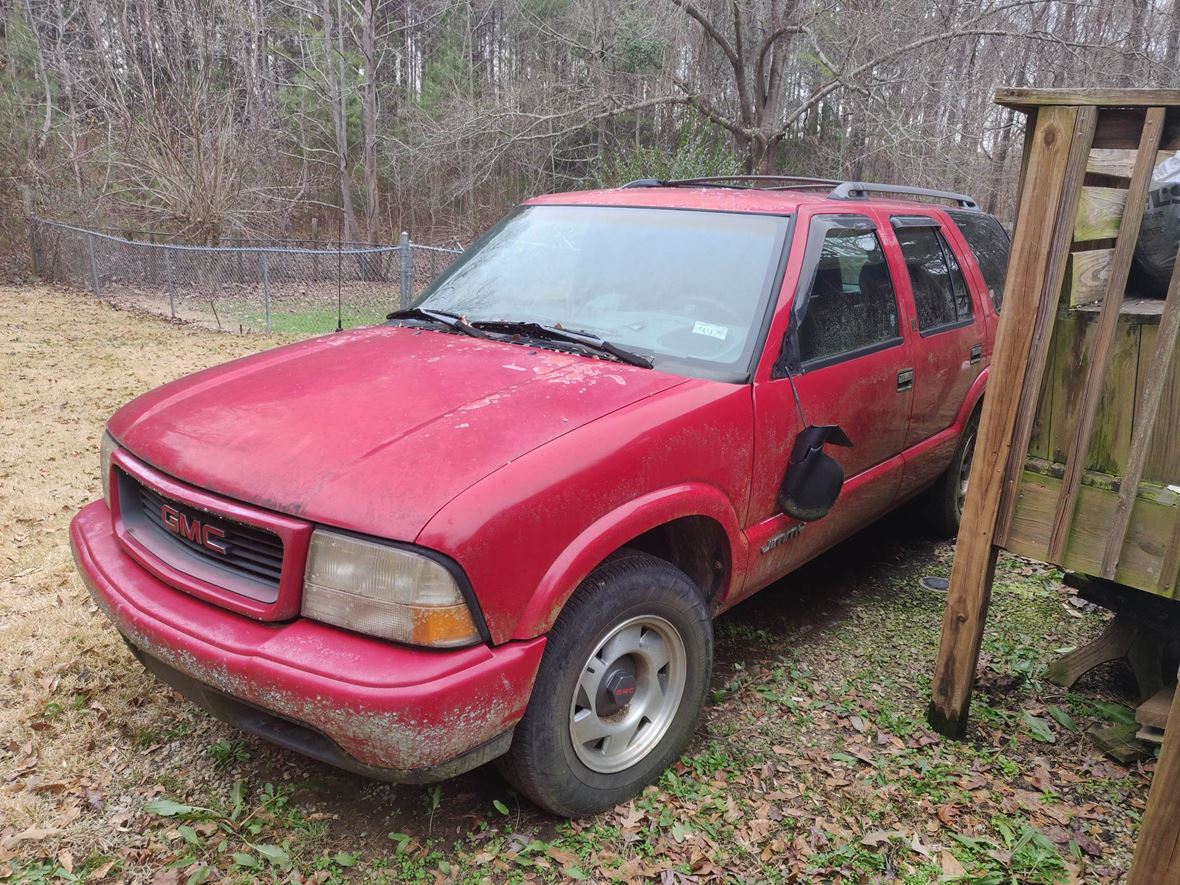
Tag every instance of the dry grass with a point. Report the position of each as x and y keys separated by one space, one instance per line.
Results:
x=68 y=362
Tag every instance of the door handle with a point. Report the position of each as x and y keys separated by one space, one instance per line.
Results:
x=905 y=379
x=976 y=354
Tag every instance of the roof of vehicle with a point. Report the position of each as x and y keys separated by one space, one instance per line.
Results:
x=728 y=198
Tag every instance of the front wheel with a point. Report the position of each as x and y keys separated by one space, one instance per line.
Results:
x=619 y=691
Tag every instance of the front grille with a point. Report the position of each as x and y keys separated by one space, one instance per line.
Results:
x=249 y=551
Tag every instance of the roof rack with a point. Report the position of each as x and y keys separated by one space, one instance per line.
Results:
x=770 y=182
x=840 y=190
x=860 y=190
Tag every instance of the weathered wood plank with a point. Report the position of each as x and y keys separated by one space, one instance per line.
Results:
x=1026 y=97
x=1086 y=276
x=1157 y=851
x=1117 y=163
x=1104 y=336
x=1163 y=456
x=1030 y=128
x=1170 y=570
x=1146 y=414
x=1154 y=711
x=1155 y=515
x=1032 y=380
x=1100 y=213
x=1039 y=430
x=1119 y=129
x=1057 y=163
x=1039 y=435
x=1135 y=309
x=1110 y=441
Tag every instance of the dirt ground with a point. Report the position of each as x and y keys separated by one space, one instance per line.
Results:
x=812 y=763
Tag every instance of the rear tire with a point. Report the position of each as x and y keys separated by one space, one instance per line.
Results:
x=946 y=497
x=619 y=691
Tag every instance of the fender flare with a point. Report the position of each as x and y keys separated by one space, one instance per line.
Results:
x=971 y=400
x=613 y=530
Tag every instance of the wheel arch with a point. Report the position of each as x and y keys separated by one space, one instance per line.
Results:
x=973 y=401
x=692 y=526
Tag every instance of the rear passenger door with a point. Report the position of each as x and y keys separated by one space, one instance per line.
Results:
x=948 y=334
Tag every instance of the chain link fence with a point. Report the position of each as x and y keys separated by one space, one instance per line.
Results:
x=240 y=288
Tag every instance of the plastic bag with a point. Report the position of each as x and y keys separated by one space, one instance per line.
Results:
x=1159 y=237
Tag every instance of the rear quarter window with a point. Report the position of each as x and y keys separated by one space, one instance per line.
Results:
x=990 y=244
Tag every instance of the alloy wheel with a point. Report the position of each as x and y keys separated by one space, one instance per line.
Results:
x=627 y=694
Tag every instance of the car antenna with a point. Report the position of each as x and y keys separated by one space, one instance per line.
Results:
x=339 y=273
x=795 y=392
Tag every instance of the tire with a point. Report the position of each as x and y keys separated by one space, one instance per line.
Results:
x=630 y=614
x=946 y=497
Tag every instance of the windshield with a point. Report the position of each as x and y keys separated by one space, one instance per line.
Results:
x=687 y=288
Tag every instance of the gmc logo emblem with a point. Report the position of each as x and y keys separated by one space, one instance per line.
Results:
x=206 y=535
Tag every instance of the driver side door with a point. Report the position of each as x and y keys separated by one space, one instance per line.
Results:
x=848 y=356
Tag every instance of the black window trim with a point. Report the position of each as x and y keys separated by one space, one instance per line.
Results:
x=944 y=246
x=947 y=327
x=823 y=362
x=902 y=221
x=789 y=361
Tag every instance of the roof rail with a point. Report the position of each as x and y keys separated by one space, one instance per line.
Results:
x=771 y=182
x=860 y=190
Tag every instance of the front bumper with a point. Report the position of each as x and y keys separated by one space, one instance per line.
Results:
x=389 y=711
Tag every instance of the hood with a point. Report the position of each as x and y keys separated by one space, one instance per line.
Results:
x=372 y=430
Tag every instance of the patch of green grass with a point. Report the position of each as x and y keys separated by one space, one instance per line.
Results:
x=304 y=320
x=227 y=753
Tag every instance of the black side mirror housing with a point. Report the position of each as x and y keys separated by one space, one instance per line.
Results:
x=814 y=478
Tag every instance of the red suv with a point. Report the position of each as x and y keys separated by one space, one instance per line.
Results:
x=499 y=526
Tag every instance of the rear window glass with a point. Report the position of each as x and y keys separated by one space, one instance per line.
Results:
x=989 y=243
x=940 y=294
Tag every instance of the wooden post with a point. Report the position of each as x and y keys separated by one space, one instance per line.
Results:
x=1157 y=851
x=1056 y=165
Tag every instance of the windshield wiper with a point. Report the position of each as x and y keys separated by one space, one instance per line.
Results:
x=442 y=317
x=552 y=333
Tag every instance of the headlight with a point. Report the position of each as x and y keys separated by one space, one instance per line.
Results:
x=105 y=448
x=384 y=591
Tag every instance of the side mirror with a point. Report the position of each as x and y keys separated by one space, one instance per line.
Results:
x=814 y=478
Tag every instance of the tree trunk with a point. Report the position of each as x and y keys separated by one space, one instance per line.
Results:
x=369 y=54
x=334 y=40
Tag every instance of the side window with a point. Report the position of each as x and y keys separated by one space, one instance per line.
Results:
x=940 y=293
x=990 y=245
x=848 y=304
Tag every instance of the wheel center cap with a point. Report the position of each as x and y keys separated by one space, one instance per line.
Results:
x=618 y=687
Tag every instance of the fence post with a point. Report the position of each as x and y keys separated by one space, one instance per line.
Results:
x=168 y=277
x=93 y=264
x=266 y=288
x=405 y=266
x=315 y=244
x=34 y=246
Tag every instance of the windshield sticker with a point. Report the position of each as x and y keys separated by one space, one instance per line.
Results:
x=718 y=332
